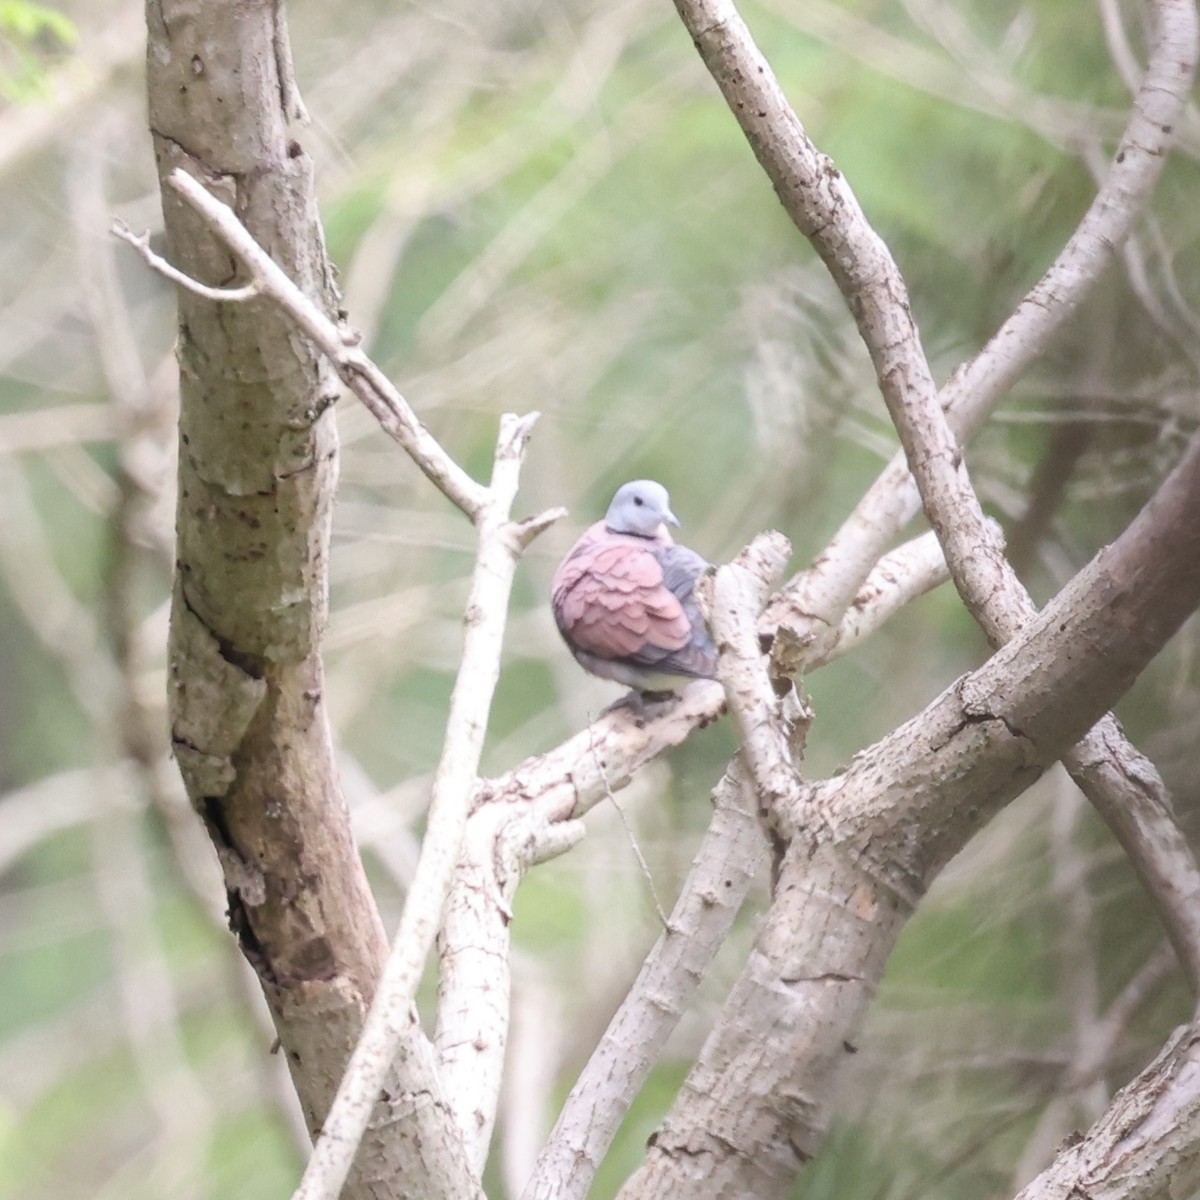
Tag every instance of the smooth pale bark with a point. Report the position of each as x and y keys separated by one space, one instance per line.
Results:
x=732 y=852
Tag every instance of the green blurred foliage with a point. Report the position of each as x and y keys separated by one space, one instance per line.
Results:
x=547 y=206
x=32 y=37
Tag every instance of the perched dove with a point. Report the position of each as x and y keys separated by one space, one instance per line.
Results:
x=623 y=596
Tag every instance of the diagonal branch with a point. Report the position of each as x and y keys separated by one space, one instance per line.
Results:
x=339 y=344
x=975 y=388
x=899 y=577
x=872 y=839
x=825 y=210
x=1147 y=1143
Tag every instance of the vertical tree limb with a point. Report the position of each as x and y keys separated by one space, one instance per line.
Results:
x=258 y=463
x=500 y=545
x=474 y=945
x=732 y=600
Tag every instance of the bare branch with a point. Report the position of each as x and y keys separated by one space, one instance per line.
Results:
x=870 y=841
x=975 y=388
x=1133 y=172
x=38 y=811
x=1146 y=1145
x=56 y=425
x=733 y=599
x=1127 y=791
x=730 y=855
x=1096 y=1042
x=354 y=367
x=580 y=772
x=899 y=577
x=525 y=531
x=473 y=959
x=825 y=210
x=1119 y=49
x=538 y=1034
x=449 y=808
x=157 y=263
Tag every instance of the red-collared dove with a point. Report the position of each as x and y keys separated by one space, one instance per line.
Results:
x=623 y=598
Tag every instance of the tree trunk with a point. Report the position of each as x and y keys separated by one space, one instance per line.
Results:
x=257 y=469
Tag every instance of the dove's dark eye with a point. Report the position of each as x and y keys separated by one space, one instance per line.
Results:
x=638 y=501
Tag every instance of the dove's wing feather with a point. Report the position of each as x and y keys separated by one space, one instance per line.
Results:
x=625 y=606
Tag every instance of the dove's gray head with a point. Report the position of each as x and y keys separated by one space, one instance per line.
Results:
x=640 y=508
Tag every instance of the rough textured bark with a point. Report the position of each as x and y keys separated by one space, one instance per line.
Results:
x=865 y=846
x=823 y=207
x=1146 y=1144
x=258 y=463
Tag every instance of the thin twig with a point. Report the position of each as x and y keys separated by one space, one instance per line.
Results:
x=356 y=370
x=141 y=243
x=635 y=847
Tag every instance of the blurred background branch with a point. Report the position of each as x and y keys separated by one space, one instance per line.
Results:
x=545 y=207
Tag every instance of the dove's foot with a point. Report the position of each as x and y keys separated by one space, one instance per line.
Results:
x=643 y=705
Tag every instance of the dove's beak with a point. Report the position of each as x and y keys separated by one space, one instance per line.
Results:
x=670 y=518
